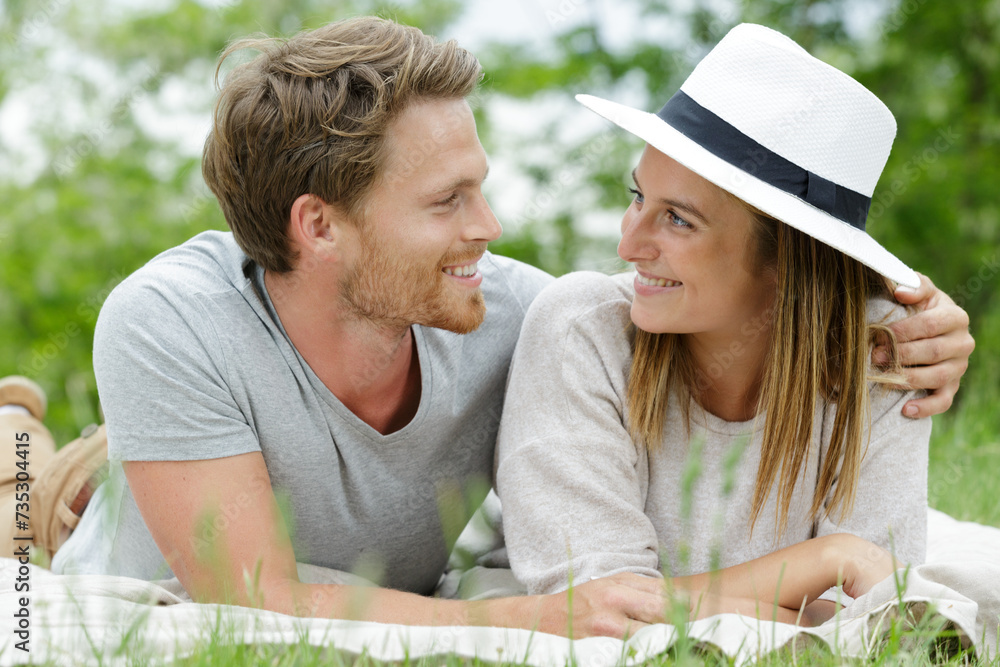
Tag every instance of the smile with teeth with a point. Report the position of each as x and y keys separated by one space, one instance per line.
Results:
x=656 y=282
x=462 y=271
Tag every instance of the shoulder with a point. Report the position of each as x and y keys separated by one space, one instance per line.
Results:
x=587 y=295
x=583 y=314
x=208 y=264
x=175 y=294
x=885 y=310
x=887 y=400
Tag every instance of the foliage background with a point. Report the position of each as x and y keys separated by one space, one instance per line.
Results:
x=96 y=178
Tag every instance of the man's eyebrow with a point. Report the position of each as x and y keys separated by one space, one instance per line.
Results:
x=676 y=203
x=456 y=185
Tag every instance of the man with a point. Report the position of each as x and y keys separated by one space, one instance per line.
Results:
x=322 y=384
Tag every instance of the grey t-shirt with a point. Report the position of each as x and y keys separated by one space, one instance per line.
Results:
x=192 y=363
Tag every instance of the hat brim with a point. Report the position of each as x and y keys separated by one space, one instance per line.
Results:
x=773 y=201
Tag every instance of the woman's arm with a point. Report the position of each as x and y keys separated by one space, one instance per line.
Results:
x=890 y=505
x=796 y=575
x=784 y=586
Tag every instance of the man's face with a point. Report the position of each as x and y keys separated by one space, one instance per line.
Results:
x=426 y=224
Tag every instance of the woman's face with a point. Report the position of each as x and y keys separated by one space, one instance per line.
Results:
x=688 y=240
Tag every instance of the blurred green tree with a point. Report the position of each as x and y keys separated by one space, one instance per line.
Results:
x=93 y=187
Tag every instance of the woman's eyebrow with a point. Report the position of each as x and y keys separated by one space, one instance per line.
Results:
x=675 y=203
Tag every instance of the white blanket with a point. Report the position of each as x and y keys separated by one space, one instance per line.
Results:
x=109 y=620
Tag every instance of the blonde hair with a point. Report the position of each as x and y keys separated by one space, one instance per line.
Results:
x=310 y=115
x=820 y=346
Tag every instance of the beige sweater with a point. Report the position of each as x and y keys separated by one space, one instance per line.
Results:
x=580 y=496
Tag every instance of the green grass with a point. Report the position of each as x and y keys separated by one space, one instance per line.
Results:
x=965 y=460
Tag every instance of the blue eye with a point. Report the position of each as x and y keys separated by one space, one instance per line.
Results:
x=678 y=221
x=639 y=199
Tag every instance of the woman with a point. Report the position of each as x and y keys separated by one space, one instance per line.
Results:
x=718 y=408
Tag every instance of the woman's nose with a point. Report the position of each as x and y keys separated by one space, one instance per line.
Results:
x=634 y=245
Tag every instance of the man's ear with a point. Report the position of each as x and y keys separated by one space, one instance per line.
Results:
x=314 y=225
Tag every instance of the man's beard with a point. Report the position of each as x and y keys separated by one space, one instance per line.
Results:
x=389 y=291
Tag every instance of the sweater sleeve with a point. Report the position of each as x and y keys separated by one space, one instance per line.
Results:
x=570 y=479
x=890 y=507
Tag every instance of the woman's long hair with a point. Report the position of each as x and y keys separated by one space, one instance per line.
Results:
x=820 y=346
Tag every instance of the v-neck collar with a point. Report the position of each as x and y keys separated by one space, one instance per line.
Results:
x=265 y=309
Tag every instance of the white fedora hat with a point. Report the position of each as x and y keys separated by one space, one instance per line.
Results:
x=783 y=131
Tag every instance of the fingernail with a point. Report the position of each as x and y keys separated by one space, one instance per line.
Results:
x=880 y=356
x=910 y=411
x=905 y=290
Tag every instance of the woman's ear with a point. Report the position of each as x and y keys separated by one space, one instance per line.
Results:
x=314 y=225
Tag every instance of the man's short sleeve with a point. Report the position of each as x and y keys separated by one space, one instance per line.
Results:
x=162 y=377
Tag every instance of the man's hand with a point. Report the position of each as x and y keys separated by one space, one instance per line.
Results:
x=934 y=348
x=616 y=606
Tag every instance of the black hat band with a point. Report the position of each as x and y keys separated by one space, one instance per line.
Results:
x=730 y=144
